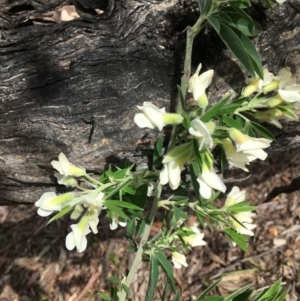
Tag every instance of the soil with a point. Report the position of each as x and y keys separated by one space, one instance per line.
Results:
x=35 y=265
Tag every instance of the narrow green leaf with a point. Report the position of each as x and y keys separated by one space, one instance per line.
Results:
x=243 y=296
x=233 y=43
x=140 y=197
x=208 y=290
x=230 y=122
x=116 y=210
x=223 y=159
x=165 y=292
x=194 y=172
x=282 y=296
x=205 y=6
x=103 y=296
x=211 y=112
x=262 y=131
x=60 y=214
x=131 y=227
x=239 y=239
x=157 y=152
x=181 y=98
x=114 y=279
x=121 y=204
x=177 y=296
x=153 y=280
x=271 y=293
x=165 y=264
x=238 y=292
x=213 y=298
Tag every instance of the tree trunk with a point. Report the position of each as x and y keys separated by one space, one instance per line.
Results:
x=73 y=87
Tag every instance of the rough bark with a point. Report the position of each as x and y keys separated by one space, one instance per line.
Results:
x=73 y=87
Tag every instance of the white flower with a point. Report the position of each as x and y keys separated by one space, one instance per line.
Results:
x=173 y=165
x=50 y=202
x=94 y=198
x=209 y=180
x=245 y=225
x=152 y=117
x=246 y=143
x=256 y=84
x=68 y=181
x=199 y=129
x=198 y=84
x=235 y=196
x=178 y=260
x=280 y=1
x=140 y=171
x=94 y=220
x=77 y=238
x=115 y=222
x=290 y=93
x=196 y=239
x=65 y=168
x=242 y=158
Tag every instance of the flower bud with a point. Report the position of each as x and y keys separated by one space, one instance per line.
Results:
x=172 y=118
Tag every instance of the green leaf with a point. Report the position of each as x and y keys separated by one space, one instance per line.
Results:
x=116 y=210
x=223 y=159
x=177 y=297
x=194 y=172
x=241 y=3
x=153 y=280
x=245 y=23
x=167 y=267
x=103 y=296
x=239 y=239
x=282 y=296
x=208 y=290
x=165 y=292
x=131 y=227
x=233 y=43
x=181 y=99
x=252 y=52
x=271 y=293
x=140 y=197
x=243 y=296
x=205 y=6
x=121 y=204
x=230 y=122
x=211 y=112
x=157 y=152
x=60 y=214
x=114 y=279
x=262 y=131
x=237 y=293
x=213 y=298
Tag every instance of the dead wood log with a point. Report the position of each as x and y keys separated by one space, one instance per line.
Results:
x=73 y=86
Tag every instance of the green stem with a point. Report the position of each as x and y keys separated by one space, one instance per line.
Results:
x=144 y=239
x=191 y=34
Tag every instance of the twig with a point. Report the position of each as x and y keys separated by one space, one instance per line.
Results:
x=90 y=283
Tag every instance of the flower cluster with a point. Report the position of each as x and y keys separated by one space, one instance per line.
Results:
x=284 y=99
x=85 y=205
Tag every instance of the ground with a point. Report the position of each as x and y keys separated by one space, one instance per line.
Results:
x=35 y=265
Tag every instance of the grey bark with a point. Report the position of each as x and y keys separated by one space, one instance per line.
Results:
x=73 y=87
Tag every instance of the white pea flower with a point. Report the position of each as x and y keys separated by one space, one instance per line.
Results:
x=290 y=93
x=178 y=260
x=94 y=198
x=65 y=168
x=196 y=239
x=245 y=225
x=173 y=165
x=77 y=238
x=235 y=196
x=115 y=222
x=50 y=202
x=152 y=117
x=256 y=84
x=246 y=143
x=93 y=220
x=208 y=181
x=202 y=131
x=198 y=84
x=242 y=158
x=68 y=181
